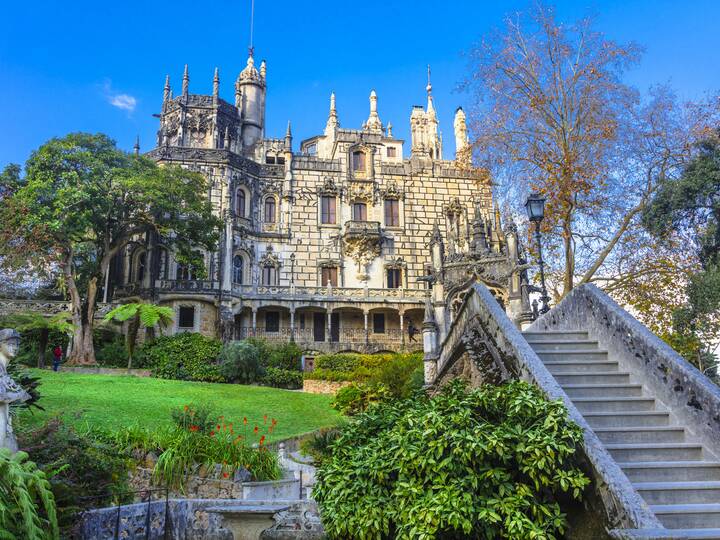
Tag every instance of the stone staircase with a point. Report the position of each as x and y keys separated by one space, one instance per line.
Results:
x=677 y=477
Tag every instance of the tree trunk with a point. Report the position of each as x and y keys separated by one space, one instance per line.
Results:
x=42 y=347
x=569 y=257
x=83 y=350
x=132 y=333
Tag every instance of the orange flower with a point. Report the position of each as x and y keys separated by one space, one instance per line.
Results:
x=262 y=440
x=186 y=407
x=270 y=429
x=274 y=422
x=212 y=433
x=245 y=420
x=194 y=428
x=218 y=427
x=225 y=475
x=265 y=419
x=255 y=430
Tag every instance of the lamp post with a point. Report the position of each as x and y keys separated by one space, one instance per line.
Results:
x=292 y=269
x=535 y=206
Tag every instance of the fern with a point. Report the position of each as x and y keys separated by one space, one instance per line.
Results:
x=27 y=504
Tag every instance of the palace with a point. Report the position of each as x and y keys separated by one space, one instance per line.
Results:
x=345 y=243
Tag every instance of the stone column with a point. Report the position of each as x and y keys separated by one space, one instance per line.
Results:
x=227 y=256
x=430 y=343
x=328 y=314
x=367 y=333
x=254 y=321
x=292 y=325
x=402 y=328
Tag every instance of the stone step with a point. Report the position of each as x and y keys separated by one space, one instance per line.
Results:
x=700 y=492
x=671 y=471
x=614 y=404
x=534 y=337
x=681 y=534
x=688 y=516
x=603 y=390
x=621 y=377
x=564 y=345
x=628 y=419
x=574 y=366
x=656 y=452
x=574 y=356
x=640 y=434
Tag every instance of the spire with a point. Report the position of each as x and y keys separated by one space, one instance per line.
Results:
x=226 y=139
x=373 y=121
x=216 y=83
x=252 y=21
x=332 y=121
x=186 y=81
x=167 y=92
x=136 y=148
x=462 y=143
x=389 y=130
x=288 y=137
x=428 y=88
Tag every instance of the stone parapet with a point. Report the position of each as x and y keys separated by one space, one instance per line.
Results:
x=313 y=386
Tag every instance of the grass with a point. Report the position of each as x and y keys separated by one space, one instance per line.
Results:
x=112 y=402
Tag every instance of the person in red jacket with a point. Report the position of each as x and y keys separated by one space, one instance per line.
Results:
x=57 y=357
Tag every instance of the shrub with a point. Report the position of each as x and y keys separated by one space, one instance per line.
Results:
x=489 y=463
x=112 y=353
x=192 y=417
x=356 y=397
x=318 y=445
x=84 y=472
x=240 y=362
x=282 y=378
x=27 y=505
x=395 y=374
x=186 y=356
x=286 y=356
x=346 y=362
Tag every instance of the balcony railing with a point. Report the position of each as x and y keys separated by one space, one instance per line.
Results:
x=362 y=228
x=327 y=292
x=188 y=285
x=355 y=336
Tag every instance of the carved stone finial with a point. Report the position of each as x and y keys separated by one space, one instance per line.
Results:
x=216 y=83
x=167 y=92
x=136 y=148
x=185 y=81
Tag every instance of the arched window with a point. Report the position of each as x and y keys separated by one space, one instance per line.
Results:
x=185 y=272
x=141 y=262
x=270 y=210
x=238 y=269
x=240 y=203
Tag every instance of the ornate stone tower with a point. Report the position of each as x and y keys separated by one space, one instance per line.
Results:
x=426 y=139
x=250 y=89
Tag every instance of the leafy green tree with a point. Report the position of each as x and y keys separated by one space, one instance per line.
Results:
x=31 y=320
x=690 y=206
x=143 y=315
x=81 y=202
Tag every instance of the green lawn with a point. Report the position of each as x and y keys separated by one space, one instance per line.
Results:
x=112 y=401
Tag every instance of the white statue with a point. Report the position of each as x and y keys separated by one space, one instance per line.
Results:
x=10 y=391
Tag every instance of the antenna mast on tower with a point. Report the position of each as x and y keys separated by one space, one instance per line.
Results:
x=252 y=17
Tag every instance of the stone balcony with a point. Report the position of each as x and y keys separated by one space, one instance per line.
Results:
x=362 y=229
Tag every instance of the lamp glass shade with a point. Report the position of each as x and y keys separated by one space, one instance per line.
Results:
x=535 y=207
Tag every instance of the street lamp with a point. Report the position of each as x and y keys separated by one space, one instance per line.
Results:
x=292 y=269
x=535 y=206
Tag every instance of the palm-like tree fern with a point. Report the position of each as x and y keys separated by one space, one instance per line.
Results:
x=138 y=315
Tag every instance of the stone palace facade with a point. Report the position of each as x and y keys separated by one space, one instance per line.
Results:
x=338 y=244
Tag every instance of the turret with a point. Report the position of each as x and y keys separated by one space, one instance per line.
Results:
x=288 y=138
x=426 y=139
x=216 y=83
x=332 y=122
x=167 y=91
x=250 y=100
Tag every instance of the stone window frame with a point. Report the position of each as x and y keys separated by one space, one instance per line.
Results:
x=400 y=208
x=276 y=203
x=397 y=264
x=244 y=270
x=329 y=196
x=247 y=209
x=330 y=263
x=135 y=255
x=366 y=173
x=196 y=318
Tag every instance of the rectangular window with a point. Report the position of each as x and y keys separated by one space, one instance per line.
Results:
x=272 y=321
x=269 y=275
x=269 y=210
x=358 y=161
x=186 y=317
x=378 y=323
x=302 y=321
x=393 y=278
x=329 y=276
x=391 y=151
x=392 y=213
x=359 y=211
x=327 y=210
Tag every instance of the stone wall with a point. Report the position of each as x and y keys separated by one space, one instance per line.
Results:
x=107 y=371
x=322 y=387
x=190 y=520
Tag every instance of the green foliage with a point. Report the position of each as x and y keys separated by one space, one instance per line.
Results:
x=318 y=445
x=112 y=353
x=284 y=356
x=282 y=378
x=185 y=448
x=140 y=315
x=355 y=398
x=494 y=462
x=185 y=356
x=27 y=505
x=195 y=417
x=240 y=362
x=38 y=335
x=29 y=382
x=84 y=473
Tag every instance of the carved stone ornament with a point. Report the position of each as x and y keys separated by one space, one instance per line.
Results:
x=454 y=208
x=10 y=391
x=361 y=192
x=362 y=248
x=270 y=258
x=392 y=191
x=328 y=187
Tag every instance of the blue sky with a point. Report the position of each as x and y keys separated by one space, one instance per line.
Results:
x=100 y=66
